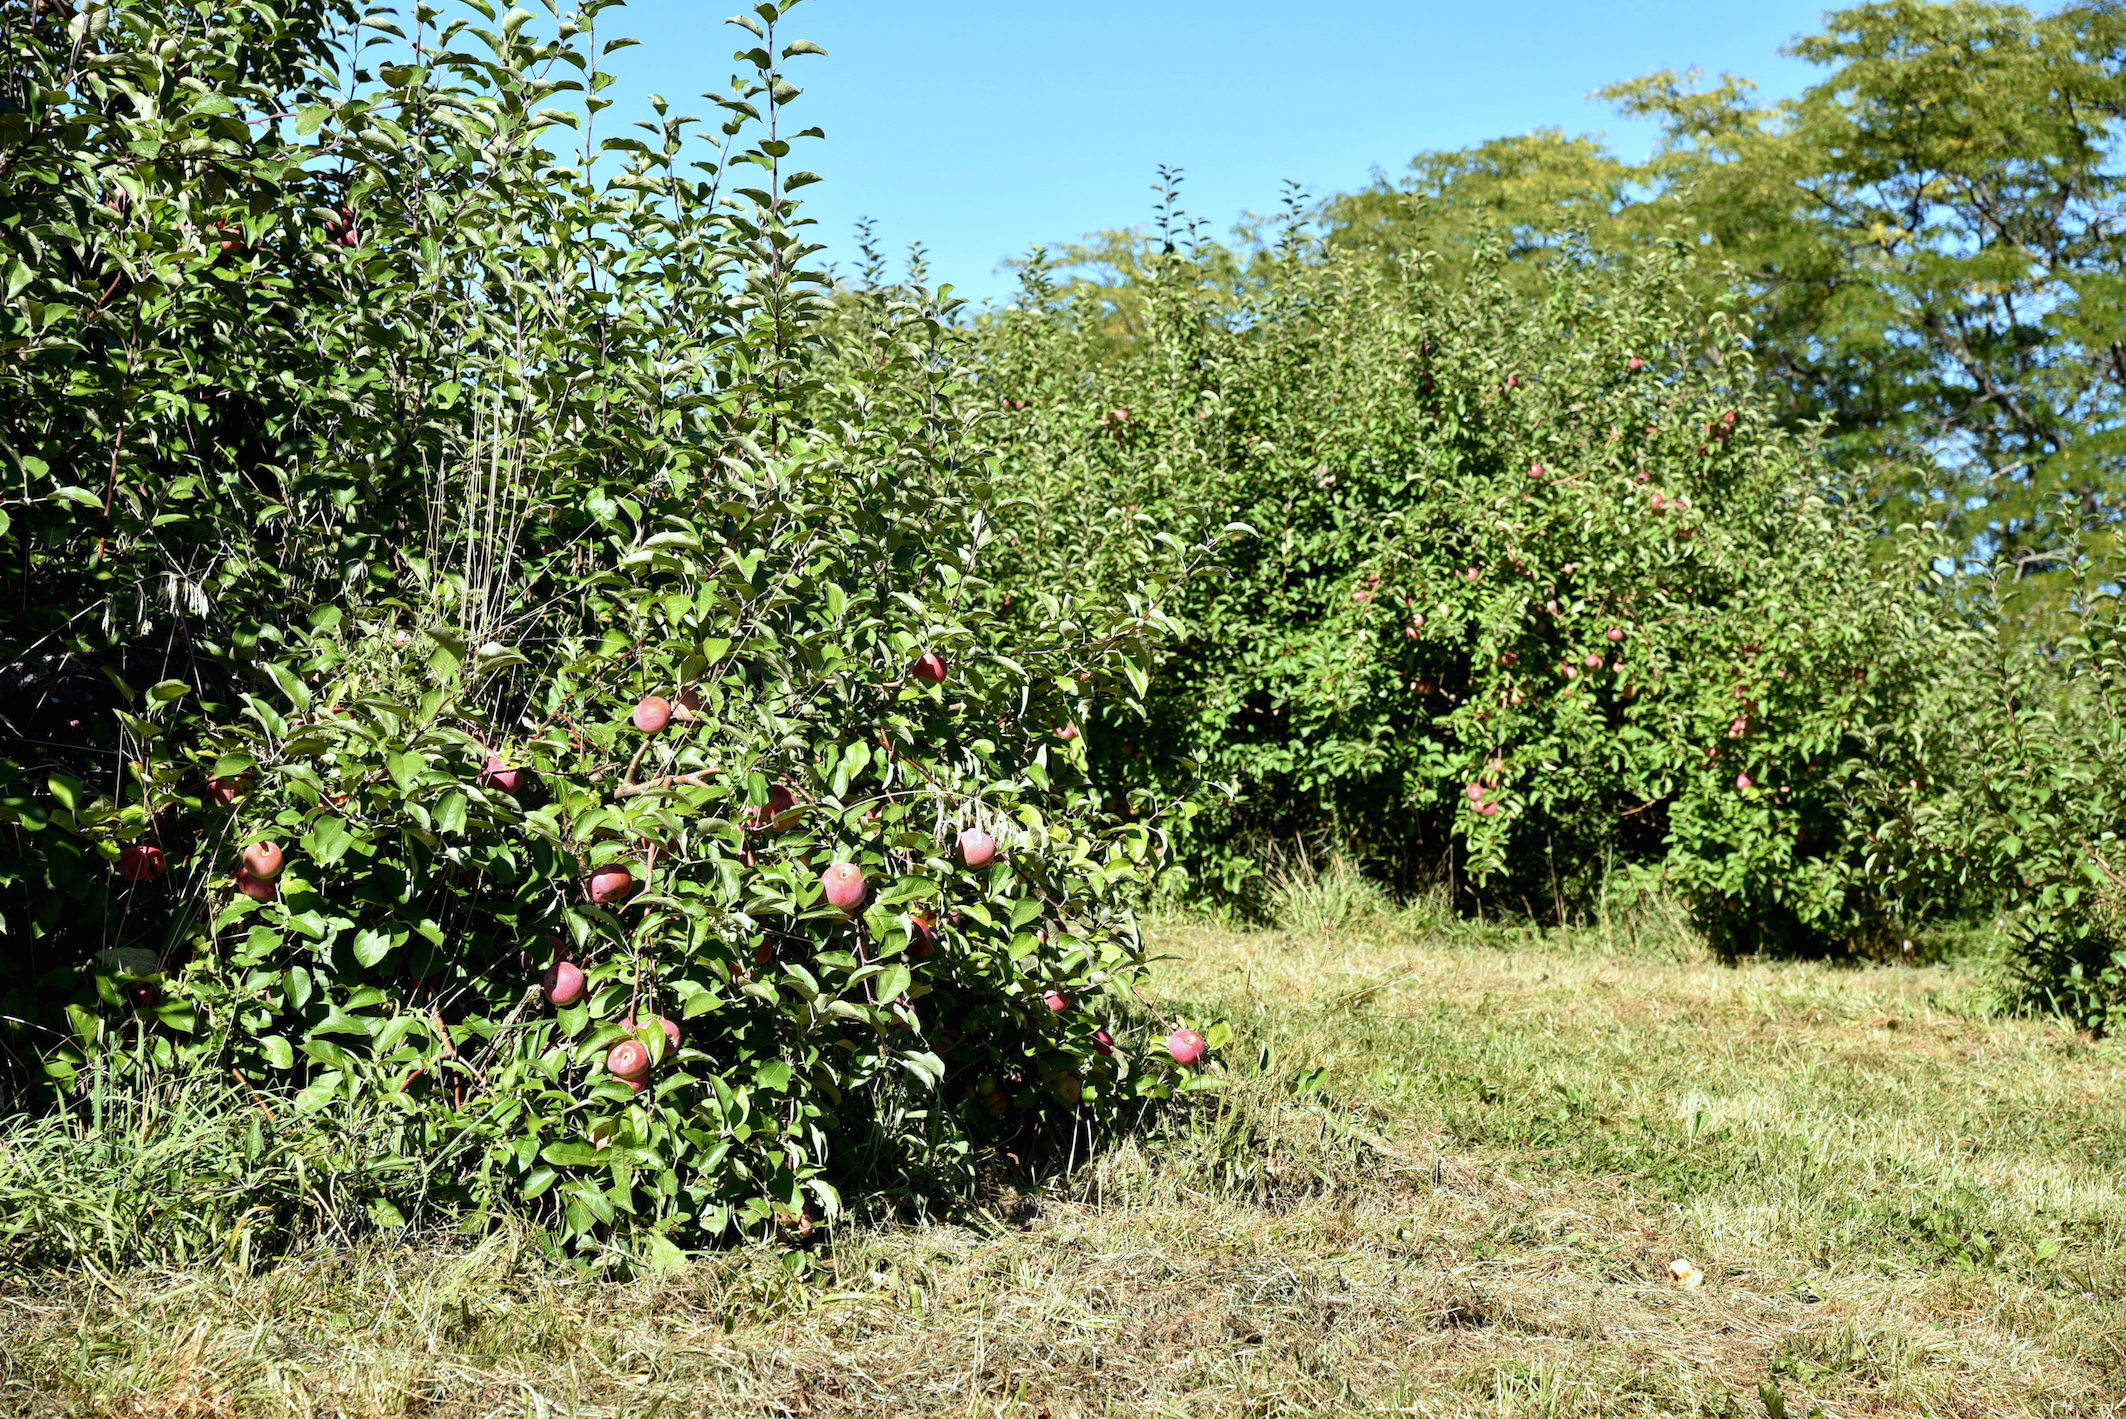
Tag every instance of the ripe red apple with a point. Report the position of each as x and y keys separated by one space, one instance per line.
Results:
x=1742 y=781
x=844 y=884
x=563 y=983
x=922 y=934
x=628 y=1059
x=1591 y=660
x=1634 y=364
x=928 y=666
x=670 y=1027
x=612 y=884
x=142 y=862
x=976 y=848
x=263 y=861
x=498 y=775
x=1535 y=470
x=1475 y=792
x=222 y=792
x=686 y=707
x=1103 y=1042
x=1056 y=1001
x=1067 y=733
x=1186 y=1046
x=256 y=888
x=1489 y=810
x=1615 y=634
x=652 y=714
x=769 y=816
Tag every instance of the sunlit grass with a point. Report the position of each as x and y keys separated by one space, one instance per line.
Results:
x=1449 y=1176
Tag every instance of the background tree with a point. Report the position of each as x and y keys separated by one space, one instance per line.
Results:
x=1928 y=242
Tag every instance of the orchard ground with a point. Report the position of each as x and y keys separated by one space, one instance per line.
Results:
x=1452 y=1175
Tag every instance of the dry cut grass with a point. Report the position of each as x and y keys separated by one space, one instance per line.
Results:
x=1450 y=1177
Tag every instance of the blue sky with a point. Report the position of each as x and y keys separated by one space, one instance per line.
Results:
x=981 y=127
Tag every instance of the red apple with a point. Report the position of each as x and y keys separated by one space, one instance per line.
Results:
x=1489 y=810
x=1186 y=1046
x=1742 y=781
x=628 y=1059
x=1615 y=634
x=686 y=708
x=1056 y=1001
x=1591 y=660
x=764 y=952
x=498 y=775
x=977 y=848
x=652 y=714
x=142 y=862
x=1067 y=733
x=844 y=883
x=222 y=792
x=263 y=861
x=563 y=983
x=612 y=884
x=922 y=934
x=670 y=1027
x=1475 y=792
x=256 y=888
x=1535 y=470
x=768 y=817
x=1103 y=1042
x=1635 y=364
x=928 y=666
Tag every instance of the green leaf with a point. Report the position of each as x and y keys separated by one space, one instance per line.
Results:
x=572 y=1155
x=327 y=841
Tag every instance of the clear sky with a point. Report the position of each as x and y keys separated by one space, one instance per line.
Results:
x=981 y=127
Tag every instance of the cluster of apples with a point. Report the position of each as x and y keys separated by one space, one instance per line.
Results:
x=257 y=870
x=842 y=883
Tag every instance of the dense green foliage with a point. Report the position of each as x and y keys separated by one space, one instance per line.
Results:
x=2022 y=747
x=1527 y=589
x=374 y=454
x=1927 y=242
x=621 y=630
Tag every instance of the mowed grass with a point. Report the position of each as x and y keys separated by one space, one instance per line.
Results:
x=1449 y=1176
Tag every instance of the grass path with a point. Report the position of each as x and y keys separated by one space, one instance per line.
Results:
x=1450 y=1178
